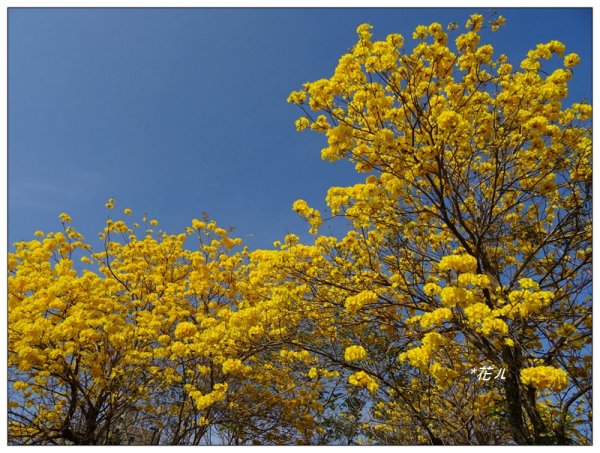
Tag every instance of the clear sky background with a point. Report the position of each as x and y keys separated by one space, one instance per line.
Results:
x=176 y=112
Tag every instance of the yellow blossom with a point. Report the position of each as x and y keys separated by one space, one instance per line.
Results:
x=459 y=263
x=185 y=330
x=545 y=377
x=571 y=60
x=358 y=301
x=354 y=353
x=362 y=379
x=65 y=218
x=302 y=123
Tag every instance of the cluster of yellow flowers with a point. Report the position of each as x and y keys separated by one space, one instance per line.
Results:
x=476 y=313
x=435 y=318
x=528 y=302
x=545 y=377
x=364 y=380
x=452 y=295
x=448 y=121
x=460 y=263
x=355 y=353
x=358 y=301
x=443 y=376
x=293 y=356
x=420 y=357
x=185 y=329
x=312 y=216
x=235 y=366
x=204 y=401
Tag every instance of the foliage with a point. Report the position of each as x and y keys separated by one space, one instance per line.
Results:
x=468 y=245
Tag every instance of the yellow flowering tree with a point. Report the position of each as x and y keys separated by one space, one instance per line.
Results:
x=470 y=238
x=145 y=342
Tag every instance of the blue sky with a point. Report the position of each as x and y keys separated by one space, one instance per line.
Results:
x=176 y=112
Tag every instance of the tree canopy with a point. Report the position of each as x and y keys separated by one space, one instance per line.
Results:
x=454 y=309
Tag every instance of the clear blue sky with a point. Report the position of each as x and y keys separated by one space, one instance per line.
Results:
x=179 y=111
